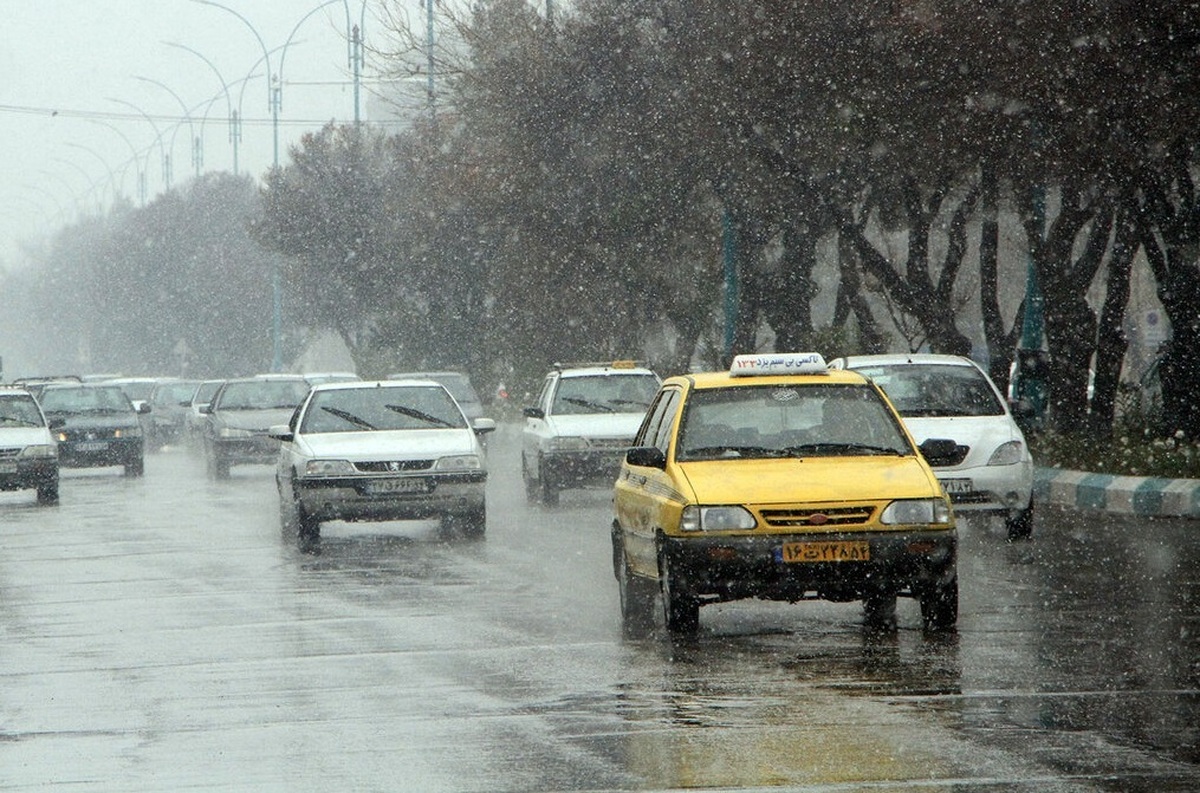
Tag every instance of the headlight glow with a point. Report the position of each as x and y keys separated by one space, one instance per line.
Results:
x=459 y=462
x=1007 y=453
x=128 y=432
x=697 y=518
x=917 y=510
x=329 y=468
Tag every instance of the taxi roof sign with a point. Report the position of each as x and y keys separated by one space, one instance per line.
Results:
x=778 y=363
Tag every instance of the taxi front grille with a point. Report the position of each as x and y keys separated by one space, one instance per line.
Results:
x=392 y=466
x=834 y=516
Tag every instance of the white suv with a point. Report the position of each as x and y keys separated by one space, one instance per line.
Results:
x=584 y=420
x=949 y=396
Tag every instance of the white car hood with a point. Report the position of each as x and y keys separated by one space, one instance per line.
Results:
x=20 y=437
x=596 y=425
x=983 y=434
x=389 y=444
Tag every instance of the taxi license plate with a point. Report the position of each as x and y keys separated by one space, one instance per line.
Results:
x=955 y=486
x=405 y=485
x=8 y=466
x=92 y=446
x=833 y=551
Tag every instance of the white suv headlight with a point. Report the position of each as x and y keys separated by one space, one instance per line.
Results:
x=1007 y=454
x=41 y=450
x=696 y=518
x=329 y=468
x=459 y=462
x=917 y=510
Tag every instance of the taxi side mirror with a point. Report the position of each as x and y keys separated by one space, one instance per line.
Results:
x=646 y=457
x=939 y=451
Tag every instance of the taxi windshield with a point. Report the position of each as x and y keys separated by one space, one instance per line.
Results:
x=788 y=421
x=920 y=390
x=605 y=393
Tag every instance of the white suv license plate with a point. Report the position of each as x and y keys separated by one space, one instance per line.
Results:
x=956 y=486
x=411 y=484
x=92 y=446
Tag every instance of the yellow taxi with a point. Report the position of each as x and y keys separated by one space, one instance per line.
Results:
x=784 y=480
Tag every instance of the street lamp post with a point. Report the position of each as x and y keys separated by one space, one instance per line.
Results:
x=197 y=151
x=235 y=130
x=112 y=177
x=166 y=159
x=137 y=160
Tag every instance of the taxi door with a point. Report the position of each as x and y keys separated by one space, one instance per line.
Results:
x=645 y=496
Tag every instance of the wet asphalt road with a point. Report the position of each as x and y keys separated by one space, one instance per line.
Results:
x=158 y=634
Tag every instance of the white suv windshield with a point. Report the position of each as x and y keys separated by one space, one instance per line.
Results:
x=787 y=421
x=604 y=393
x=367 y=409
x=919 y=390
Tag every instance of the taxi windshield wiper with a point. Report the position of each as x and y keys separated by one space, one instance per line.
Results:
x=725 y=451
x=349 y=418
x=420 y=416
x=587 y=403
x=829 y=448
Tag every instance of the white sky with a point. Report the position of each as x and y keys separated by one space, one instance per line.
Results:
x=64 y=62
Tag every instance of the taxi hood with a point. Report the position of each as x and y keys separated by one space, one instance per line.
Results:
x=811 y=479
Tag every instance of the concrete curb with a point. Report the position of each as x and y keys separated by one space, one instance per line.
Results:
x=1129 y=495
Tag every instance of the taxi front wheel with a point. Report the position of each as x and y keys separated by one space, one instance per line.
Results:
x=681 y=610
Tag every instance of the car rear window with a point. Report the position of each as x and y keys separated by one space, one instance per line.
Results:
x=923 y=390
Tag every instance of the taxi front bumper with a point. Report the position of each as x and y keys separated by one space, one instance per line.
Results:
x=840 y=567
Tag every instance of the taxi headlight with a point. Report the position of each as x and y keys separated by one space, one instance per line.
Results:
x=40 y=451
x=696 y=518
x=234 y=432
x=459 y=462
x=568 y=443
x=328 y=468
x=917 y=510
x=1006 y=454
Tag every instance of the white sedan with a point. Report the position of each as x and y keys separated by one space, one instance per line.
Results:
x=381 y=450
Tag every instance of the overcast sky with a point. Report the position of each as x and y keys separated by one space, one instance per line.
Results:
x=73 y=111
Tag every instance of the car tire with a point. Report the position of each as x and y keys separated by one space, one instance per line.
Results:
x=939 y=605
x=681 y=610
x=1019 y=523
x=637 y=597
x=218 y=466
x=308 y=531
x=879 y=611
x=471 y=524
x=47 y=491
x=135 y=467
x=532 y=493
x=549 y=488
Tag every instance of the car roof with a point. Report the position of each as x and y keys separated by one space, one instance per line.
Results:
x=361 y=385
x=586 y=371
x=707 y=380
x=901 y=359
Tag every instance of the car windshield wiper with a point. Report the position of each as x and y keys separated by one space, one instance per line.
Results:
x=587 y=403
x=417 y=414
x=937 y=412
x=831 y=449
x=18 y=421
x=350 y=418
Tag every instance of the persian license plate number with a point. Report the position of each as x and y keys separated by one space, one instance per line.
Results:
x=92 y=446
x=401 y=485
x=832 y=551
x=956 y=486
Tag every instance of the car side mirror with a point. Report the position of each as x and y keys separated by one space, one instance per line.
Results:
x=483 y=425
x=1021 y=408
x=939 y=451
x=56 y=424
x=534 y=413
x=144 y=408
x=206 y=408
x=281 y=432
x=646 y=457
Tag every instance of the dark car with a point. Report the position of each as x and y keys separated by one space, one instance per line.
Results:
x=96 y=426
x=170 y=403
x=239 y=416
x=28 y=455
